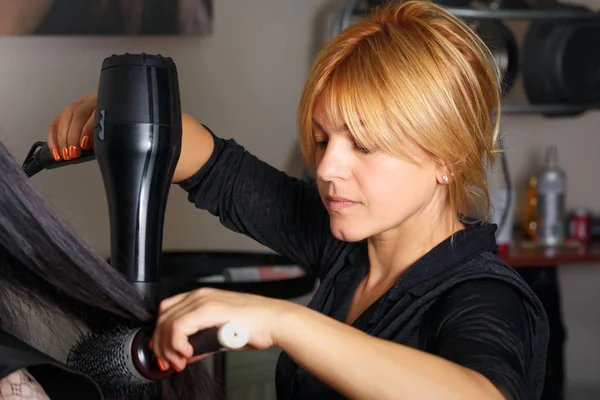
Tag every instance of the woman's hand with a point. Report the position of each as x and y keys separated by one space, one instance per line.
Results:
x=183 y=315
x=73 y=129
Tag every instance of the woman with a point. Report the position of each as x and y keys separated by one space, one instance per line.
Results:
x=396 y=124
x=53 y=290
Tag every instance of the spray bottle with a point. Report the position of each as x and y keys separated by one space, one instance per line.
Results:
x=551 y=187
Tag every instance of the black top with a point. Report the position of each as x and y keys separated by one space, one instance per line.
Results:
x=458 y=301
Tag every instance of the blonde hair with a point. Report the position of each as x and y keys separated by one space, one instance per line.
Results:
x=411 y=77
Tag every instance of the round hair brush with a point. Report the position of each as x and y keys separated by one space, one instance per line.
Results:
x=120 y=361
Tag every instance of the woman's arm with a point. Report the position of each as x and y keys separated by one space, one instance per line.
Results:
x=251 y=197
x=360 y=366
x=477 y=343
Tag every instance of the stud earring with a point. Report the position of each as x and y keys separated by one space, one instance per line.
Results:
x=445 y=179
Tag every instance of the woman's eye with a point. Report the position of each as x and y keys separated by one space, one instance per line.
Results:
x=361 y=149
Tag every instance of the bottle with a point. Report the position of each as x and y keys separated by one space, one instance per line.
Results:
x=551 y=188
x=502 y=199
x=530 y=212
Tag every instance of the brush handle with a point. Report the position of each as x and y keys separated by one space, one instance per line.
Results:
x=230 y=336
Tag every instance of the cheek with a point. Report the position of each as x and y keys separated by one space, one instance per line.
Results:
x=402 y=189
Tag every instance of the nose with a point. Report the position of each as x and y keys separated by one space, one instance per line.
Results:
x=333 y=164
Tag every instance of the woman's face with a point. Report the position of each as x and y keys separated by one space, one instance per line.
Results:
x=369 y=194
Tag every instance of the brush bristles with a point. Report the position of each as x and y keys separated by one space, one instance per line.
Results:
x=103 y=357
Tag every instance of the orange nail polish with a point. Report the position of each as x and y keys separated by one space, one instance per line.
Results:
x=65 y=154
x=56 y=154
x=84 y=142
x=73 y=151
x=161 y=365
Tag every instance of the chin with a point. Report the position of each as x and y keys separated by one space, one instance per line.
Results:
x=348 y=232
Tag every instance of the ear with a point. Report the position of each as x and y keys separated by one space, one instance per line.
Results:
x=443 y=175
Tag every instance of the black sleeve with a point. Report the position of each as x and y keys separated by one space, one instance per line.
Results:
x=484 y=326
x=250 y=197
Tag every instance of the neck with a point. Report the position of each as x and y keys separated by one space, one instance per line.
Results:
x=394 y=251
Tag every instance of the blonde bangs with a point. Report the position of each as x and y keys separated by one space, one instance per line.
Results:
x=373 y=102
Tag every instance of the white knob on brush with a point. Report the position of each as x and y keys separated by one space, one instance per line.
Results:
x=233 y=335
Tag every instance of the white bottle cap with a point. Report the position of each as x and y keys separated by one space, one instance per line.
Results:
x=233 y=335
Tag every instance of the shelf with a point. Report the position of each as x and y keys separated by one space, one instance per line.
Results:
x=547 y=109
x=526 y=254
x=184 y=271
x=521 y=14
x=505 y=13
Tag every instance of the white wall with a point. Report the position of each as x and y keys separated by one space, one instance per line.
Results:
x=244 y=81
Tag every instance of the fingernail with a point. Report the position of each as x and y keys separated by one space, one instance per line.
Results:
x=73 y=151
x=163 y=365
x=177 y=369
x=56 y=154
x=65 y=154
x=84 y=142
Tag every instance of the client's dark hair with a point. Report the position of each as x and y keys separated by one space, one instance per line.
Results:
x=51 y=281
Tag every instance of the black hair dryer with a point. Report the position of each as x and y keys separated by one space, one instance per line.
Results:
x=137 y=142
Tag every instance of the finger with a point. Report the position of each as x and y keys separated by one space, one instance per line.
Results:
x=163 y=365
x=174 y=336
x=81 y=115
x=169 y=311
x=162 y=328
x=63 y=128
x=181 y=367
x=51 y=140
x=170 y=356
x=87 y=133
x=184 y=323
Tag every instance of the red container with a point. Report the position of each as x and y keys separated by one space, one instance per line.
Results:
x=580 y=222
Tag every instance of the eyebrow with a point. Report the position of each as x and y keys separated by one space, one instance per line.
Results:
x=345 y=128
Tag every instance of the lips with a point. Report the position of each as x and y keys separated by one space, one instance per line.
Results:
x=337 y=203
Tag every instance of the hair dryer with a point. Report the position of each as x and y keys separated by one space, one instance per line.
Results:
x=137 y=142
